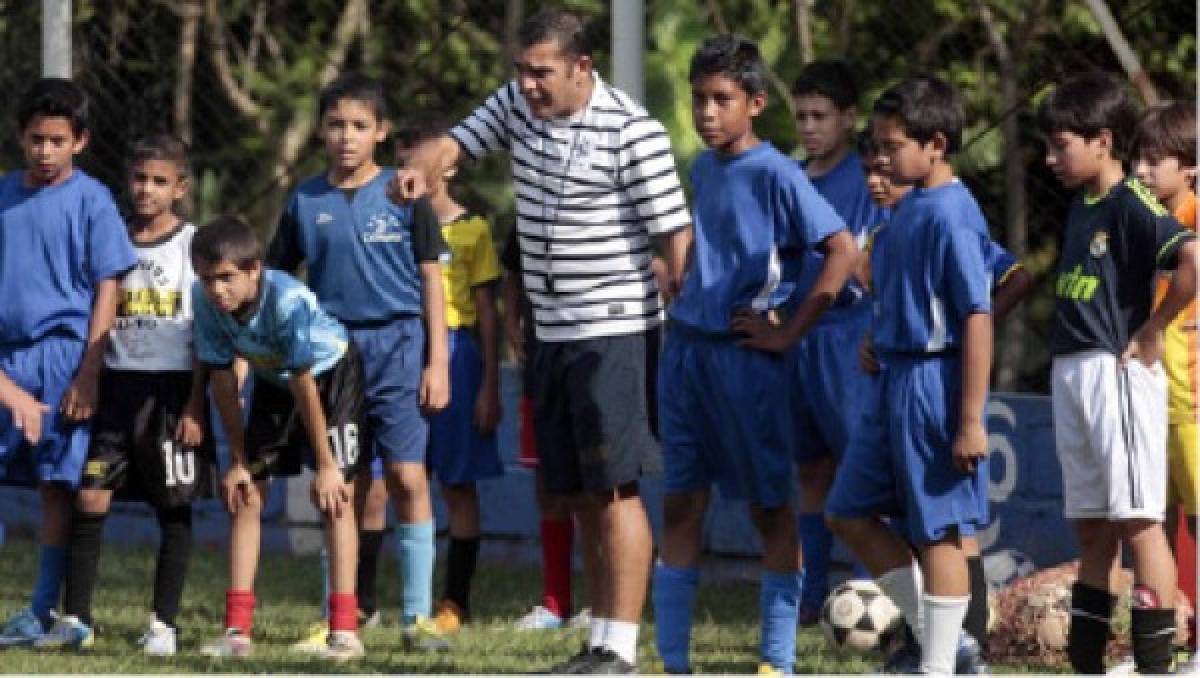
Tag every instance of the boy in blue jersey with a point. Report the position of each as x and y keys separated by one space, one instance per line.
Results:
x=307 y=396
x=828 y=386
x=62 y=247
x=723 y=394
x=1108 y=385
x=375 y=266
x=921 y=451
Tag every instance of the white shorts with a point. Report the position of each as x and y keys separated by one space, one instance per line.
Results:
x=1110 y=430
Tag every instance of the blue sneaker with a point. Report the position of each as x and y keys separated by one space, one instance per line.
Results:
x=969 y=659
x=67 y=632
x=21 y=629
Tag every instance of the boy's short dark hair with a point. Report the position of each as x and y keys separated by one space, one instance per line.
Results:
x=1168 y=130
x=1088 y=103
x=832 y=79
x=415 y=130
x=924 y=106
x=227 y=238
x=54 y=98
x=162 y=146
x=566 y=29
x=865 y=144
x=735 y=58
x=354 y=87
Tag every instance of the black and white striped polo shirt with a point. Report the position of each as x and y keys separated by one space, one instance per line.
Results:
x=590 y=190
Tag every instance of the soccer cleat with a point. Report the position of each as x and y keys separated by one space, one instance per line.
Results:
x=315 y=640
x=766 y=669
x=23 y=628
x=344 y=646
x=969 y=661
x=580 y=663
x=159 y=639
x=232 y=644
x=67 y=632
x=581 y=619
x=449 y=617
x=424 y=636
x=539 y=619
x=606 y=662
x=369 y=621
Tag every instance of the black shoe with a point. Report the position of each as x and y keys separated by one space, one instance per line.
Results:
x=606 y=662
x=577 y=664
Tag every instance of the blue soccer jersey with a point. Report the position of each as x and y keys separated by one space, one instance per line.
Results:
x=56 y=244
x=751 y=213
x=928 y=271
x=363 y=251
x=288 y=331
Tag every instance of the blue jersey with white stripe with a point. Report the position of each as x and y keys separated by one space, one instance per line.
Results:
x=752 y=212
x=288 y=331
x=928 y=270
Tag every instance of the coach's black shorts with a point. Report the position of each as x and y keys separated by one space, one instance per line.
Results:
x=133 y=449
x=276 y=441
x=592 y=414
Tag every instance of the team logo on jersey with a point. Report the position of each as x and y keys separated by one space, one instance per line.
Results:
x=384 y=227
x=324 y=218
x=1076 y=285
x=1099 y=244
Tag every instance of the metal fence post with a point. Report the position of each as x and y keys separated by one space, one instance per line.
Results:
x=56 y=38
x=629 y=46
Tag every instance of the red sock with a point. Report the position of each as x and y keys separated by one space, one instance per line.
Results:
x=343 y=612
x=239 y=610
x=557 y=536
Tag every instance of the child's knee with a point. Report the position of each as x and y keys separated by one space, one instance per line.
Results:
x=93 y=501
x=684 y=510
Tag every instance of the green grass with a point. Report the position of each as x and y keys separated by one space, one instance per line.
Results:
x=289 y=589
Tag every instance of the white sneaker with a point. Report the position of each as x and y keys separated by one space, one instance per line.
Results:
x=344 y=646
x=67 y=632
x=233 y=644
x=159 y=639
x=581 y=619
x=539 y=619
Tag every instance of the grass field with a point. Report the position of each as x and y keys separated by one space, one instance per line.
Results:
x=289 y=589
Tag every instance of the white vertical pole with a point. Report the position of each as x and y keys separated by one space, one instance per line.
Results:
x=628 y=46
x=56 y=38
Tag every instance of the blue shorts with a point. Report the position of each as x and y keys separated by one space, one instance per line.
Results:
x=724 y=419
x=45 y=370
x=899 y=461
x=458 y=452
x=393 y=357
x=830 y=389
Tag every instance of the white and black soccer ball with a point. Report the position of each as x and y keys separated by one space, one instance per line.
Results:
x=1004 y=567
x=858 y=618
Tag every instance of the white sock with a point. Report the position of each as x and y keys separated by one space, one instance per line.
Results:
x=598 y=632
x=903 y=586
x=944 y=617
x=622 y=639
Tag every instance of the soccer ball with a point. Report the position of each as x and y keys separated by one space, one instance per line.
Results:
x=858 y=618
x=1006 y=566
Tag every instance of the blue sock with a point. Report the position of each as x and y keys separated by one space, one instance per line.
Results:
x=779 y=599
x=674 y=595
x=52 y=567
x=325 y=582
x=415 y=550
x=816 y=543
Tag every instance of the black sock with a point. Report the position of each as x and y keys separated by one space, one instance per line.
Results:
x=1091 y=611
x=83 y=561
x=460 y=569
x=1153 y=632
x=369 y=543
x=174 y=552
x=975 y=623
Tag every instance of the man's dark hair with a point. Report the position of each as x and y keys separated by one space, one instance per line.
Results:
x=924 y=106
x=227 y=238
x=735 y=58
x=1168 y=130
x=567 y=29
x=162 y=146
x=54 y=98
x=420 y=128
x=832 y=79
x=354 y=87
x=1088 y=103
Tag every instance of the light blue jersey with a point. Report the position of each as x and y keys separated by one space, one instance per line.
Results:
x=288 y=331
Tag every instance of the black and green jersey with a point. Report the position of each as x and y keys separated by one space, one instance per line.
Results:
x=1104 y=284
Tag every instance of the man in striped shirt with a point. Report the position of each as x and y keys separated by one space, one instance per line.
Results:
x=594 y=180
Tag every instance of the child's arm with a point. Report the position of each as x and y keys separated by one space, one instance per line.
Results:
x=435 y=379
x=328 y=485
x=840 y=256
x=970 y=443
x=237 y=483
x=487 y=403
x=80 y=399
x=1012 y=290
x=1146 y=344
x=26 y=410
x=190 y=430
x=676 y=248
x=514 y=331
